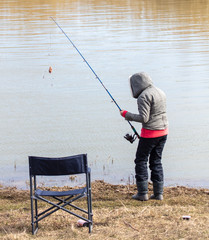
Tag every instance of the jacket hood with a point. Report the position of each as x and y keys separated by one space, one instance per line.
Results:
x=139 y=82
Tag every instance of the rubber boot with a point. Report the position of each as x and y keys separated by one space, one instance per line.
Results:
x=158 y=191
x=142 y=188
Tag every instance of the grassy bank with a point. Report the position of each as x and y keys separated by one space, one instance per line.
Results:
x=116 y=216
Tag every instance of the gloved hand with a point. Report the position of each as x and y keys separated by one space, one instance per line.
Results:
x=123 y=113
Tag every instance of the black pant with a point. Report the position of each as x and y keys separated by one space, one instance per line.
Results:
x=150 y=149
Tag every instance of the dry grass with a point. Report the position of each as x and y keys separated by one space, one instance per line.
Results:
x=116 y=216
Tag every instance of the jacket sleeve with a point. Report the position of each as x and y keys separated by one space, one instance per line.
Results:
x=144 y=106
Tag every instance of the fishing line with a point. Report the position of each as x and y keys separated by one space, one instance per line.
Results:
x=129 y=137
x=49 y=59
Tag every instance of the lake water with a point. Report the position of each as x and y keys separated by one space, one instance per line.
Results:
x=68 y=112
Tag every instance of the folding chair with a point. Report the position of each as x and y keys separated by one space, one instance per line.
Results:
x=72 y=165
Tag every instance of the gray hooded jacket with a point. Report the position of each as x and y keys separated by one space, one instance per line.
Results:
x=151 y=103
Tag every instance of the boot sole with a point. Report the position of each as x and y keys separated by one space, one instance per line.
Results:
x=140 y=198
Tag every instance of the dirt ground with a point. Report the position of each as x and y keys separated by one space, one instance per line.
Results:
x=116 y=215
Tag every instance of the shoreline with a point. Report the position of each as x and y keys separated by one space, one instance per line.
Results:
x=168 y=184
x=109 y=186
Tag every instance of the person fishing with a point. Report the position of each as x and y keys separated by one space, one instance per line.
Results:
x=152 y=114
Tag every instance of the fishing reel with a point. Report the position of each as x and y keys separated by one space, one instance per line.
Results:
x=130 y=138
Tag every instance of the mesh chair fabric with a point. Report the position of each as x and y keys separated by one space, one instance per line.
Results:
x=40 y=192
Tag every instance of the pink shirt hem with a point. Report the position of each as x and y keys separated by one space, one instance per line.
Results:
x=146 y=133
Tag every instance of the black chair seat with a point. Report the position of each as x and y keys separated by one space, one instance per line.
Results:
x=40 y=192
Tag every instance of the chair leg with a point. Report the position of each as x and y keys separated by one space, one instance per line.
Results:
x=36 y=212
x=33 y=224
x=89 y=202
x=90 y=227
x=32 y=217
x=31 y=204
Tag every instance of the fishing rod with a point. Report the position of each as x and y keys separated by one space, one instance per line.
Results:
x=129 y=137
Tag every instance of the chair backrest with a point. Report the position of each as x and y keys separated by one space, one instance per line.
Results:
x=58 y=166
